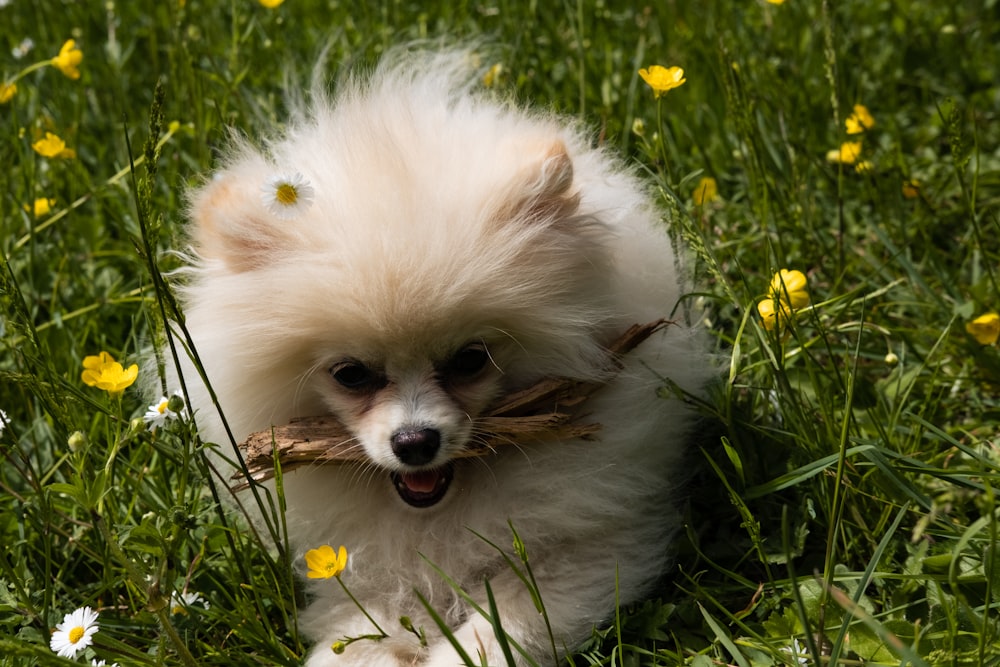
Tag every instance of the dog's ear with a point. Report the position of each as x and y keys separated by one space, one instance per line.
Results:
x=231 y=224
x=544 y=189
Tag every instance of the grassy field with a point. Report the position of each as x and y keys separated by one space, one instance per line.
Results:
x=844 y=511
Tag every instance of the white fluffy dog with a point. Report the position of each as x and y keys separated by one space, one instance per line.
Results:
x=432 y=250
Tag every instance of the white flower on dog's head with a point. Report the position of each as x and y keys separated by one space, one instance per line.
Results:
x=75 y=633
x=287 y=197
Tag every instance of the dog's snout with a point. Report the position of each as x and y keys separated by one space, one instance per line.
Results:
x=416 y=447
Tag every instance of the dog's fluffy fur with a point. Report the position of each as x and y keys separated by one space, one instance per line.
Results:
x=456 y=248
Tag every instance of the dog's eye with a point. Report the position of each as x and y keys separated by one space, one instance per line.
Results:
x=468 y=362
x=355 y=375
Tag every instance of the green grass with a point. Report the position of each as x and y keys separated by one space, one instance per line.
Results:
x=847 y=499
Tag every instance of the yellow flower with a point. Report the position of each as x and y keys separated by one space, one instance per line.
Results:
x=50 y=146
x=847 y=154
x=69 y=59
x=7 y=92
x=864 y=167
x=860 y=120
x=769 y=314
x=324 y=562
x=911 y=188
x=271 y=4
x=103 y=372
x=786 y=294
x=706 y=191
x=790 y=286
x=776 y=2
x=493 y=75
x=661 y=79
x=98 y=360
x=42 y=206
x=985 y=328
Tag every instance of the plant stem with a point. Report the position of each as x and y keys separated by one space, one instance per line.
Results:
x=359 y=606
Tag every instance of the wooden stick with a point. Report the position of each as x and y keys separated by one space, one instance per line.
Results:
x=543 y=411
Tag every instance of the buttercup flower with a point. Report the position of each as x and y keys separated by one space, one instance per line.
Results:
x=776 y=2
x=790 y=286
x=324 y=562
x=270 y=4
x=42 y=206
x=493 y=75
x=7 y=92
x=786 y=294
x=287 y=197
x=860 y=120
x=50 y=146
x=661 y=79
x=160 y=411
x=706 y=191
x=179 y=602
x=911 y=188
x=103 y=372
x=75 y=633
x=768 y=314
x=985 y=328
x=98 y=360
x=847 y=153
x=69 y=59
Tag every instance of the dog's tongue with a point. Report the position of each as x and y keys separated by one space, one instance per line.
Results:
x=425 y=481
x=423 y=488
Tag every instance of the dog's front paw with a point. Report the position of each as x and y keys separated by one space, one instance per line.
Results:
x=478 y=640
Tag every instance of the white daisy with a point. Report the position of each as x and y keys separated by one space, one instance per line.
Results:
x=287 y=197
x=799 y=653
x=3 y=420
x=179 y=602
x=75 y=633
x=160 y=411
x=100 y=663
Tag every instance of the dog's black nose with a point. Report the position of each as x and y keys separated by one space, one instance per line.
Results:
x=416 y=448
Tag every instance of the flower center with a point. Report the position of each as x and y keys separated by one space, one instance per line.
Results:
x=286 y=194
x=162 y=407
x=76 y=634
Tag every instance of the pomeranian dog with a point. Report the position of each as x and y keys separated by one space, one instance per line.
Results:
x=405 y=252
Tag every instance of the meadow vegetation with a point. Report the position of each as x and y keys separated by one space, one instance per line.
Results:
x=842 y=508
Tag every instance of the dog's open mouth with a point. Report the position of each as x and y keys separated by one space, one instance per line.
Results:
x=423 y=488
